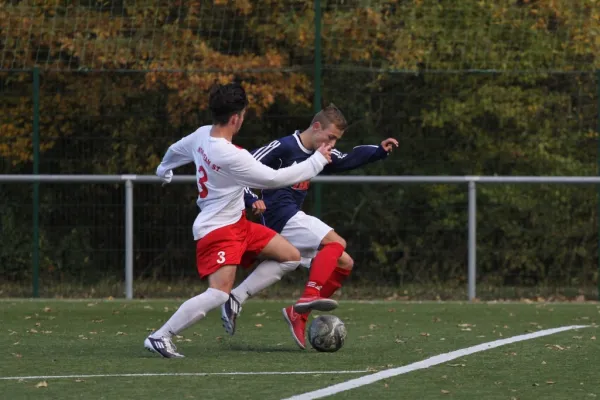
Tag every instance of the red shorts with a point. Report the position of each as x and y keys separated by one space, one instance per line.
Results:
x=235 y=244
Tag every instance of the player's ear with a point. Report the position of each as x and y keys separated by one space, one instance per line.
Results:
x=316 y=126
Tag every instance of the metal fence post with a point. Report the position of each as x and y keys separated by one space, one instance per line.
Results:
x=129 y=239
x=472 y=239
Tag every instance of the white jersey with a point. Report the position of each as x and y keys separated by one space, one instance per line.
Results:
x=223 y=170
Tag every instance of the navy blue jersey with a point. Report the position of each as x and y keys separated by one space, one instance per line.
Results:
x=282 y=204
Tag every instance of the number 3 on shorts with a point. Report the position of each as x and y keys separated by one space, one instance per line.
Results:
x=221 y=258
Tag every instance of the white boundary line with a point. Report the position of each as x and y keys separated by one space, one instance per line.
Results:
x=429 y=362
x=16 y=378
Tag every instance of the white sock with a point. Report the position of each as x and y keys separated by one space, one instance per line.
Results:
x=191 y=312
x=267 y=273
x=305 y=262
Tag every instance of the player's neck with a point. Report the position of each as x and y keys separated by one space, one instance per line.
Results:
x=221 y=132
x=304 y=139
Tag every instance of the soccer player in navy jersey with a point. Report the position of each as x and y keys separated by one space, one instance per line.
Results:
x=316 y=241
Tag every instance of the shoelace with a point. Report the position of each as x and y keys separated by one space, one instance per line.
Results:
x=170 y=346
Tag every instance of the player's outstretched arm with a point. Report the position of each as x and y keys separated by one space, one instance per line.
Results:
x=247 y=171
x=178 y=154
x=359 y=156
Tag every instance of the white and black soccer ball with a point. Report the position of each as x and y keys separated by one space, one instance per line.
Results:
x=327 y=333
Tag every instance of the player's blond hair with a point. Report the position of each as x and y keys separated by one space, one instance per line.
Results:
x=331 y=115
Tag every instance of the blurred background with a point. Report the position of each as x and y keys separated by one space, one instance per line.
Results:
x=486 y=87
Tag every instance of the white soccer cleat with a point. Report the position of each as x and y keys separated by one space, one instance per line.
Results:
x=163 y=346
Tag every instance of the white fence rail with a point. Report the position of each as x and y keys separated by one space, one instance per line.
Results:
x=470 y=181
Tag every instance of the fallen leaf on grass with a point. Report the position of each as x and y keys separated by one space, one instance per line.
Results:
x=543 y=362
x=372 y=326
x=79 y=380
x=28 y=317
x=457 y=365
x=550 y=382
x=258 y=325
x=425 y=334
x=121 y=334
x=444 y=391
x=42 y=384
x=260 y=314
x=385 y=385
x=33 y=331
x=593 y=338
x=97 y=321
x=148 y=308
x=17 y=355
x=47 y=309
x=555 y=347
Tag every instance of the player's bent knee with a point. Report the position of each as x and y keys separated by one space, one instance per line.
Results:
x=333 y=237
x=345 y=261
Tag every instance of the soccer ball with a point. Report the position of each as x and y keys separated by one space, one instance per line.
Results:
x=327 y=333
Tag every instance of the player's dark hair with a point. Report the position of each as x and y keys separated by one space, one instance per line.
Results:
x=331 y=115
x=225 y=101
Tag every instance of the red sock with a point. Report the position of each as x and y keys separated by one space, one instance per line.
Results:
x=322 y=267
x=338 y=276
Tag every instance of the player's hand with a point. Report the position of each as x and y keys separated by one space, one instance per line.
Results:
x=258 y=207
x=167 y=177
x=325 y=149
x=389 y=144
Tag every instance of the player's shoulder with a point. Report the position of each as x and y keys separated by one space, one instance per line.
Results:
x=222 y=149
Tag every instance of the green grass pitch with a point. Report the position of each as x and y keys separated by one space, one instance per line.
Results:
x=104 y=337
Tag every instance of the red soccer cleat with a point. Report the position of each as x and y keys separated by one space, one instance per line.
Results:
x=297 y=323
x=309 y=303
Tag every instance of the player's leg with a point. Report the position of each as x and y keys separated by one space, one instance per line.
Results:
x=217 y=257
x=341 y=271
x=280 y=257
x=323 y=265
x=306 y=233
x=192 y=311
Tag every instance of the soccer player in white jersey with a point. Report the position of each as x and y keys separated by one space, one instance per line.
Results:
x=282 y=207
x=224 y=237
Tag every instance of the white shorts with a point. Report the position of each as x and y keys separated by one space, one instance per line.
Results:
x=305 y=233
